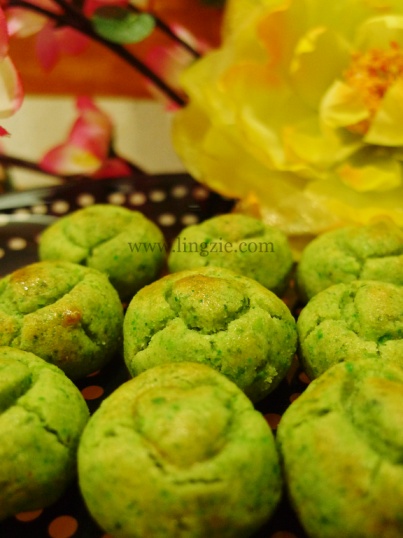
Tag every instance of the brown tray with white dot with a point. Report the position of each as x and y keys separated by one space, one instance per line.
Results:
x=172 y=201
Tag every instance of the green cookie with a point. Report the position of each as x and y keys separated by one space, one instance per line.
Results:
x=42 y=415
x=372 y=252
x=341 y=444
x=351 y=321
x=122 y=243
x=65 y=313
x=179 y=452
x=238 y=242
x=213 y=316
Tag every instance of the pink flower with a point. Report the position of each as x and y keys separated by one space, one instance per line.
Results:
x=24 y=22
x=168 y=60
x=11 y=93
x=87 y=149
x=51 y=43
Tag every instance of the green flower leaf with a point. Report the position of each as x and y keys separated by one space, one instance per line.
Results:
x=119 y=25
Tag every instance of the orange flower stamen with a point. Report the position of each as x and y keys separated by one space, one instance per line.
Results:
x=372 y=73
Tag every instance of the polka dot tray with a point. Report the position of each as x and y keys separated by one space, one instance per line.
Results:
x=171 y=201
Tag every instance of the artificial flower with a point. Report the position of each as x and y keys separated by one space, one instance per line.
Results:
x=52 y=40
x=299 y=113
x=24 y=23
x=11 y=92
x=168 y=60
x=88 y=145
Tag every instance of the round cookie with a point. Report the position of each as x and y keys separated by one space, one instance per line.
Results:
x=67 y=314
x=124 y=244
x=371 y=252
x=42 y=415
x=195 y=459
x=214 y=316
x=350 y=321
x=238 y=242
x=341 y=444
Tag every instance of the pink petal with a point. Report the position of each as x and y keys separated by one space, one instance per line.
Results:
x=67 y=159
x=115 y=167
x=70 y=41
x=92 y=130
x=24 y=23
x=11 y=92
x=3 y=34
x=47 y=47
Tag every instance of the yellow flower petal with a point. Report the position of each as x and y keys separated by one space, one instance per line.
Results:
x=279 y=30
x=342 y=106
x=320 y=147
x=239 y=11
x=371 y=170
x=311 y=71
x=380 y=32
x=357 y=207
x=249 y=134
x=386 y=127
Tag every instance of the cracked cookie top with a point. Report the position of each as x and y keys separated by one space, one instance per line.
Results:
x=371 y=252
x=194 y=457
x=351 y=321
x=67 y=314
x=213 y=316
x=42 y=415
x=238 y=242
x=121 y=243
x=341 y=444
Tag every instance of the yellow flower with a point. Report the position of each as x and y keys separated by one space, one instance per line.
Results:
x=300 y=112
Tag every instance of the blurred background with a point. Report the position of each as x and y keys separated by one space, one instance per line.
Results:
x=142 y=120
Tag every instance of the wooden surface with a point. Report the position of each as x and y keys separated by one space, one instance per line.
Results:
x=98 y=72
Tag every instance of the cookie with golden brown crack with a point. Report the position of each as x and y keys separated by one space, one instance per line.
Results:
x=238 y=242
x=42 y=416
x=341 y=445
x=124 y=244
x=180 y=452
x=67 y=314
x=214 y=316
x=368 y=252
x=346 y=322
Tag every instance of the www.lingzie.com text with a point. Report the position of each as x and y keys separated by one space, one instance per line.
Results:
x=203 y=248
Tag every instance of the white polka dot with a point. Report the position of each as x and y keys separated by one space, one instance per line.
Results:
x=138 y=198
x=189 y=219
x=117 y=198
x=21 y=213
x=4 y=219
x=16 y=243
x=157 y=195
x=2 y=252
x=200 y=193
x=39 y=209
x=85 y=199
x=180 y=191
x=167 y=219
x=60 y=206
